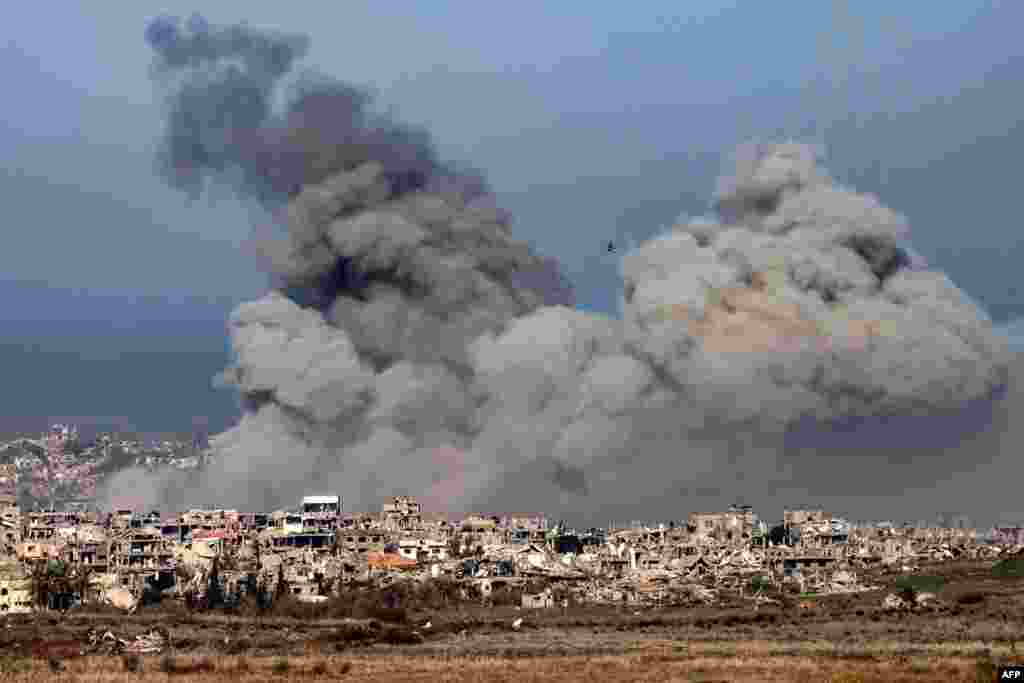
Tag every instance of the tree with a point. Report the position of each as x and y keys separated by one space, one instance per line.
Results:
x=214 y=592
x=282 y=583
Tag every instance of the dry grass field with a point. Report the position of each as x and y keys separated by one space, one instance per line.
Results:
x=976 y=623
x=655 y=665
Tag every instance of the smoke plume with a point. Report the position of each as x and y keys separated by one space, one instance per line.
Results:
x=222 y=124
x=791 y=344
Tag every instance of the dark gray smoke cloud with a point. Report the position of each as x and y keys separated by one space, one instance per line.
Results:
x=222 y=124
x=790 y=346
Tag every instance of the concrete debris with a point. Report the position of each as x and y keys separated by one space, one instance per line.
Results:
x=121 y=598
x=313 y=599
x=202 y=556
x=107 y=642
x=924 y=599
x=540 y=600
x=104 y=643
x=893 y=601
x=699 y=593
x=151 y=643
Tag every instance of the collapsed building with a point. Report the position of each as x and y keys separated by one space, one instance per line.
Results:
x=315 y=550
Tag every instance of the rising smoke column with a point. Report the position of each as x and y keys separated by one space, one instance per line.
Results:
x=413 y=346
x=393 y=262
x=789 y=343
x=221 y=123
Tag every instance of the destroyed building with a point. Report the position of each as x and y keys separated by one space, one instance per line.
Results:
x=797 y=516
x=10 y=520
x=317 y=549
x=321 y=514
x=736 y=524
x=15 y=588
x=402 y=514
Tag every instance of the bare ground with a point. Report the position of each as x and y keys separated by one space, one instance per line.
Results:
x=976 y=623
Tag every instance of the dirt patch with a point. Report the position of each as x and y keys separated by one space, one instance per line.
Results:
x=972 y=605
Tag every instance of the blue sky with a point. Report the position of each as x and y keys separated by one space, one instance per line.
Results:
x=593 y=122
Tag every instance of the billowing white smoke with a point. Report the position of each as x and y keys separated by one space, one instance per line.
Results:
x=438 y=376
x=896 y=335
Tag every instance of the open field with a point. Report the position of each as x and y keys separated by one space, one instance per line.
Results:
x=655 y=665
x=976 y=621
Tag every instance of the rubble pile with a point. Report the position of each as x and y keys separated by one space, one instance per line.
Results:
x=153 y=642
x=210 y=557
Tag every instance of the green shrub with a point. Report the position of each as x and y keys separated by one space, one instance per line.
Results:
x=1008 y=568
x=281 y=665
x=920 y=584
x=14 y=665
x=984 y=670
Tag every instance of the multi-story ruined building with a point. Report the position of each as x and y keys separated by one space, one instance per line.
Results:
x=223 y=523
x=285 y=522
x=362 y=521
x=321 y=514
x=86 y=544
x=10 y=513
x=477 y=531
x=821 y=534
x=363 y=541
x=143 y=551
x=314 y=547
x=522 y=529
x=737 y=524
x=793 y=517
x=423 y=549
x=402 y=514
x=15 y=588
